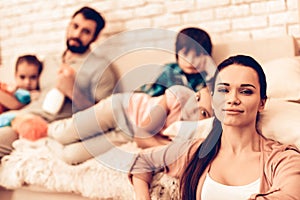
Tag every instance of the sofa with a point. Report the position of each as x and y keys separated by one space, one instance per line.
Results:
x=33 y=173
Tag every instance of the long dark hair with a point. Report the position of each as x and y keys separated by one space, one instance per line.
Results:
x=210 y=147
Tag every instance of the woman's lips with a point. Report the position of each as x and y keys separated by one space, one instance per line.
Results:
x=232 y=111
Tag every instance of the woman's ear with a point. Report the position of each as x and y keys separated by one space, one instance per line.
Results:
x=262 y=105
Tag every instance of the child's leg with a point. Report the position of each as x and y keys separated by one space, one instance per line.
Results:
x=107 y=115
x=99 y=118
x=62 y=131
x=79 y=152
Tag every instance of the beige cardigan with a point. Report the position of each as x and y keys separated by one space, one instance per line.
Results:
x=279 y=173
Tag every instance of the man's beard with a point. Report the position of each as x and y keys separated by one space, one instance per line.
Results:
x=81 y=49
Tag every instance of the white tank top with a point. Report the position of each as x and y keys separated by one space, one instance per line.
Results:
x=213 y=190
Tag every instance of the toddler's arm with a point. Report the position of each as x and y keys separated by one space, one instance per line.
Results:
x=9 y=101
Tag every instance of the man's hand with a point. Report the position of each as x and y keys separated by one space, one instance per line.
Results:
x=66 y=80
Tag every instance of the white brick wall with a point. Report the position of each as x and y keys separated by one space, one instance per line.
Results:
x=32 y=26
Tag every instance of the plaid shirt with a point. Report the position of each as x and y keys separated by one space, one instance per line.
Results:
x=173 y=75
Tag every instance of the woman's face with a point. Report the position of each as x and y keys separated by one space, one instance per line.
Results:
x=236 y=98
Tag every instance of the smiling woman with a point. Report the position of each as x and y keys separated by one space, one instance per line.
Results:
x=239 y=95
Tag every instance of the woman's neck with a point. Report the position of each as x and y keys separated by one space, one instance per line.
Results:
x=238 y=140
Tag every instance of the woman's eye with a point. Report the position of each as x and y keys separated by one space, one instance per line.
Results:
x=222 y=90
x=247 y=91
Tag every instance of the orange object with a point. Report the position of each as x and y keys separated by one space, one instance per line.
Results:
x=30 y=127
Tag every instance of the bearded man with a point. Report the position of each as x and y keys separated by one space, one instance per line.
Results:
x=81 y=76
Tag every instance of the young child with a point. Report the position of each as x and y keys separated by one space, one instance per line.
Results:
x=131 y=116
x=14 y=97
x=193 y=49
x=27 y=71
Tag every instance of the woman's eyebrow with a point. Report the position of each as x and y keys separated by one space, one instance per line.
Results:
x=248 y=85
x=226 y=84
x=242 y=85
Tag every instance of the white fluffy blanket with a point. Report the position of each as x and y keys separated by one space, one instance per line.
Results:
x=34 y=164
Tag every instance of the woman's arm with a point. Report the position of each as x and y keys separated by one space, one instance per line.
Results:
x=141 y=189
x=171 y=159
x=284 y=171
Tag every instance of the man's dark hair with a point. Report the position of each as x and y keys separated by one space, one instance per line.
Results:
x=92 y=14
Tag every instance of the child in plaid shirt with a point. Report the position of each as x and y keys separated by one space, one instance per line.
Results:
x=193 y=51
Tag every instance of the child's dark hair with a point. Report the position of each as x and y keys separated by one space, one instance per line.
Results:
x=193 y=39
x=30 y=59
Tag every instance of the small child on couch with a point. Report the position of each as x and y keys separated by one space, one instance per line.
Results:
x=26 y=88
x=193 y=55
x=132 y=116
x=27 y=72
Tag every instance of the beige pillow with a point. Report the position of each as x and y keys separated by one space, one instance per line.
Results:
x=283 y=78
x=280 y=121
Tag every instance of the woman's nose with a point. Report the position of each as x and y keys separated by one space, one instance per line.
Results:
x=232 y=98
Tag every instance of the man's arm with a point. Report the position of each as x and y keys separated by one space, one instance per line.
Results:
x=101 y=86
x=66 y=84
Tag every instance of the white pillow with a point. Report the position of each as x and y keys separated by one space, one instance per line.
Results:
x=280 y=121
x=283 y=78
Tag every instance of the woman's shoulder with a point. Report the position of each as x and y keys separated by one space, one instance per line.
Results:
x=273 y=145
x=277 y=150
